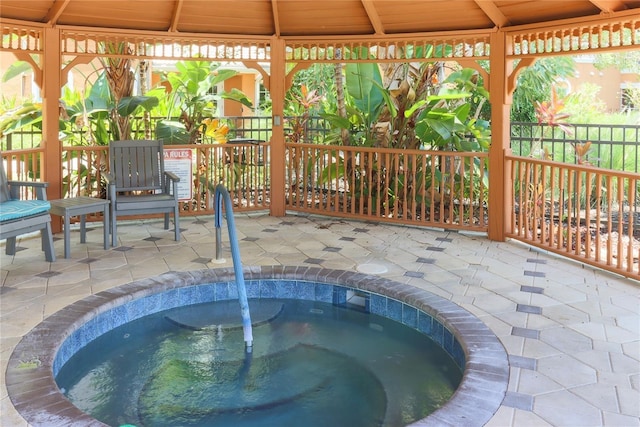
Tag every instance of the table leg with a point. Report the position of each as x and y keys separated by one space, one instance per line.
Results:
x=67 y=235
x=105 y=225
x=83 y=230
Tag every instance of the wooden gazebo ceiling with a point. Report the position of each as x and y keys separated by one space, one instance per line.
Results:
x=306 y=18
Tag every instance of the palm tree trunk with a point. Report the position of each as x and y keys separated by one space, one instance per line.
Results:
x=342 y=106
x=120 y=79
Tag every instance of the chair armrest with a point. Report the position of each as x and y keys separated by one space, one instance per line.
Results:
x=111 y=187
x=40 y=188
x=171 y=184
x=172 y=176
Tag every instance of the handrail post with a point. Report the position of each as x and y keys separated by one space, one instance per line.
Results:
x=220 y=194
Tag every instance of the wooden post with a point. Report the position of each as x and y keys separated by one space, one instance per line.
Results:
x=277 y=90
x=500 y=205
x=51 y=92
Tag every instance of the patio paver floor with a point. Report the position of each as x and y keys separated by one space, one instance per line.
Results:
x=572 y=332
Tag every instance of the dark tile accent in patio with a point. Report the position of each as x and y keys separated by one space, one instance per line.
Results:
x=269 y=230
x=332 y=249
x=532 y=289
x=200 y=222
x=48 y=274
x=123 y=248
x=152 y=239
x=360 y=230
x=526 y=333
x=417 y=274
x=347 y=239
x=535 y=273
x=88 y=260
x=434 y=249
x=518 y=401
x=287 y=223
x=444 y=239
x=531 y=309
x=426 y=260
x=536 y=261
x=251 y=239
x=478 y=397
x=523 y=362
x=314 y=261
x=202 y=260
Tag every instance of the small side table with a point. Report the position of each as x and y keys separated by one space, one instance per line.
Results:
x=81 y=206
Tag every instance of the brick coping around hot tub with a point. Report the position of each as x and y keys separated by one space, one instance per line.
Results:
x=30 y=374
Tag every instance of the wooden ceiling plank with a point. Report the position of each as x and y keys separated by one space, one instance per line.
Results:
x=493 y=12
x=175 y=17
x=56 y=10
x=374 y=17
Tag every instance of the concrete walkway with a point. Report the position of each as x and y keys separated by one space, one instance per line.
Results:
x=572 y=332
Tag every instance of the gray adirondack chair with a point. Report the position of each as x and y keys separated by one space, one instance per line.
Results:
x=138 y=184
x=19 y=217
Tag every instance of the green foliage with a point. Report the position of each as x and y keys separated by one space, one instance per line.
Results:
x=26 y=115
x=584 y=106
x=626 y=60
x=192 y=99
x=446 y=120
x=94 y=115
x=16 y=69
x=534 y=85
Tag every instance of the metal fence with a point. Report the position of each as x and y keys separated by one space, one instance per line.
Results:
x=311 y=129
x=615 y=147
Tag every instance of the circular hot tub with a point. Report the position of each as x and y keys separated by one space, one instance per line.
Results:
x=40 y=355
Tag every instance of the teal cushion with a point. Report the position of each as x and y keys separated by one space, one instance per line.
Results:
x=15 y=209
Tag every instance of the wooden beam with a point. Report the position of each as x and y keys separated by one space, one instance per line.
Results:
x=288 y=81
x=175 y=18
x=266 y=81
x=37 y=70
x=491 y=10
x=500 y=186
x=373 y=15
x=276 y=18
x=51 y=92
x=609 y=6
x=56 y=10
x=512 y=79
x=472 y=63
x=277 y=142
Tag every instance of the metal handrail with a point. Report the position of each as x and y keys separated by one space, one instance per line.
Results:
x=220 y=194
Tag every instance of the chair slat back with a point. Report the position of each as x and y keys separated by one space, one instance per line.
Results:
x=4 y=185
x=137 y=165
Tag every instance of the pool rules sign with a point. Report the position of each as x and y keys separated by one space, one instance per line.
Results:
x=180 y=162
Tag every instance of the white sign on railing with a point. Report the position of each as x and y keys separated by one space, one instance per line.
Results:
x=180 y=162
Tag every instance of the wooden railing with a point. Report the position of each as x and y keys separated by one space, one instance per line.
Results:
x=242 y=168
x=581 y=212
x=430 y=188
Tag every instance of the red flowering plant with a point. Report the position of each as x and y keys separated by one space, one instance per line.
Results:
x=550 y=113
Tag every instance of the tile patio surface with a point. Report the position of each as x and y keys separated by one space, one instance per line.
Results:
x=572 y=332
